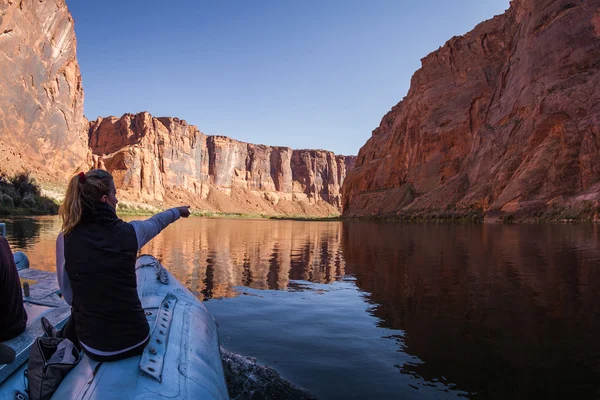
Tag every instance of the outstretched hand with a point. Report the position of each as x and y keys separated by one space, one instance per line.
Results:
x=184 y=211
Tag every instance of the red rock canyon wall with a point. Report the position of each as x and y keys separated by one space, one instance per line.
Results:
x=154 y=160
x=151 y=157
x=505 y=119
x=42 y=126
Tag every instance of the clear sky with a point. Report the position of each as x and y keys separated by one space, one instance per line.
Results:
x=305 y=73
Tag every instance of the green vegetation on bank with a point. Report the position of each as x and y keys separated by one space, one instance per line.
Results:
x=306 y=218
x=585 y=211
x=124 y=208
x=451 y=213
x=215 y=214
x=128 y=209
x=21 y=195
x=581 y=212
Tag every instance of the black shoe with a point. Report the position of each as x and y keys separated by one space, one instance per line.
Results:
x=48 y=328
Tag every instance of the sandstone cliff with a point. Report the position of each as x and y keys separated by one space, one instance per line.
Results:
x=160 y=160
x=505 y=119
x=155 y=160
x=42 y=126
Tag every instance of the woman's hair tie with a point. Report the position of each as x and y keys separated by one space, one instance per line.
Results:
x=82 y=177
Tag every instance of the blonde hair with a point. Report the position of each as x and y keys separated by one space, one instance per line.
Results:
x=83 y=191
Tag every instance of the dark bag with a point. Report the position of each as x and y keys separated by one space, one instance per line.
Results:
x=47 y=367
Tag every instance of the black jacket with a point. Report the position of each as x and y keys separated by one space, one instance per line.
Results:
x=13 y=317
x=100 y=254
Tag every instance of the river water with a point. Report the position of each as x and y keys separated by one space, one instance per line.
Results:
x=382 y=310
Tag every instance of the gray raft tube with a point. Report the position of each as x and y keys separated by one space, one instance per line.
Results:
x=189 y=356
x=20 y=258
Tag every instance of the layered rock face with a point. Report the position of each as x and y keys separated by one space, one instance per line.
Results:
x=153 y=158
x=505 y=119
x=42 y=126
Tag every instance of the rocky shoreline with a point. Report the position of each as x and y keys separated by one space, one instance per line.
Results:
x=584 y=212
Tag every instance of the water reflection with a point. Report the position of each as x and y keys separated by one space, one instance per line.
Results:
x=502 y=312
x=213 y=256
x=493 y=311
x=23 y=231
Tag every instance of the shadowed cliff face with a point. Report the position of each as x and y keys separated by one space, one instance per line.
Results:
x=505 y=119
x=151 y=158
x=42 y=126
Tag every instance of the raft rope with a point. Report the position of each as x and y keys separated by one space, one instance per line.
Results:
x=161 y=272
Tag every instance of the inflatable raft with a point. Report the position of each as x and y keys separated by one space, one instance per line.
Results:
x=181 y=361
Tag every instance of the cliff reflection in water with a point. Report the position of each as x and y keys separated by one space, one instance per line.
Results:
x=496 y=310
x=212 y=256
x=501 y=311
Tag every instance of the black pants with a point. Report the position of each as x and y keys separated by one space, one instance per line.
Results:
x=68 y=332
x=129 y=353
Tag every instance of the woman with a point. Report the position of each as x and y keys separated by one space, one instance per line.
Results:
x=96 y=253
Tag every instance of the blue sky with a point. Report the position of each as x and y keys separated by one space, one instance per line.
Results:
x=305 y=74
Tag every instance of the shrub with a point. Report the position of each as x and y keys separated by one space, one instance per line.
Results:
x=24 y=184
x=508 y=219
x=20 y=194
x=7 y=187
x=6 y=200
x=28 y=200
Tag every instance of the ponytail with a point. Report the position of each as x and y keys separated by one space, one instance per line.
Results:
x=83 y=191
x=70 y=209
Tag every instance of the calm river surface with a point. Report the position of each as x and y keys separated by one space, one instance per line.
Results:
x=371 y=310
